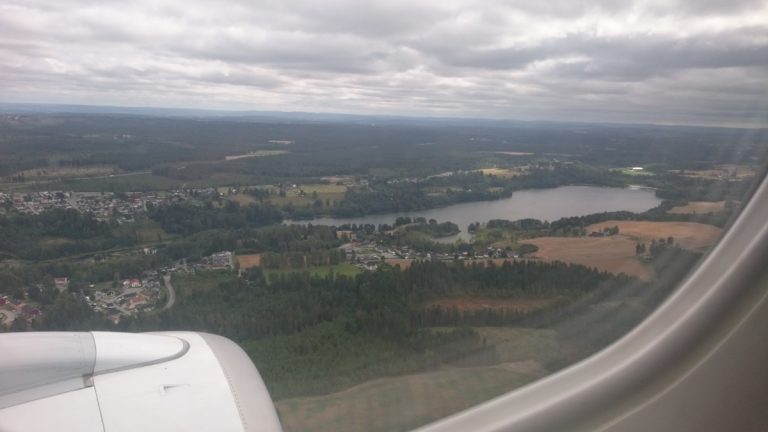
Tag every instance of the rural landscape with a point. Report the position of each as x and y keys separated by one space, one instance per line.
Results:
x=362 y=262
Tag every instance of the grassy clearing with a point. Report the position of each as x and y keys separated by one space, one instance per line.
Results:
x=503 y=172
x=402 y=403
x=699 y=207
x=151 y=232
x=54 y=241
x=202 y=281
x=326 y=193
x=516 y=344
x=125 y=183
x=146 y=231
x=321 y=271
x=408 y=401
x=479 y=303
x=242 y=199
x=257 y=153
x=508 y=153
x=67 y=171
x=630 y=172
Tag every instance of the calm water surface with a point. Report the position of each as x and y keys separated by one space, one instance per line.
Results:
x=543 y=204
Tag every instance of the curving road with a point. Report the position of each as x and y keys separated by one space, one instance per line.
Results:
x=171 y=292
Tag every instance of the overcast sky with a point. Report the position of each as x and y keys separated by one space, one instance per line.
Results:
x=661 y=61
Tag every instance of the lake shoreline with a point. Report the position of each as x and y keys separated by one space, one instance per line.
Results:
x=544 y=204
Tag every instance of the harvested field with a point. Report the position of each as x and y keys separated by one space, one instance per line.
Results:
x=727 y=171
x=694 y=236
x=248 y=261
x=614 y=254
x=404 y=263
x=472 y=304
x=700 y=207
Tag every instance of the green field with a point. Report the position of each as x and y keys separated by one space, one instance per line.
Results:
x=331 y=193
x=321 y=271
x=188 y=284
x=148 y=231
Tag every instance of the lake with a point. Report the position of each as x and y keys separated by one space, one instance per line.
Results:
x=543 y=204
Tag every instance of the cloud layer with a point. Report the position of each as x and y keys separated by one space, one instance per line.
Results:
x=678 y=62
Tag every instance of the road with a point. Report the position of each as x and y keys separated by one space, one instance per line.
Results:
x=171 y=292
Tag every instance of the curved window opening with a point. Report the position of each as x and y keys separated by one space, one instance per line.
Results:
x=399 y=212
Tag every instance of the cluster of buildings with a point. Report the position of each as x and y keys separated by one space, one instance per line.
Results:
x=369 y=254
x=128 y=297
x=12 y=309
x=124 y=207
x=103 y=205
x=224 y=260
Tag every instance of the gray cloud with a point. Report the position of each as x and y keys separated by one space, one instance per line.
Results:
x=688 y=61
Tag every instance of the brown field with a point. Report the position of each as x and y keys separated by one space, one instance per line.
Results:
x=700 y=207
x=616 y=254
x=248 y=261
x=723 y=171
x=689 y=235
x=471 y=304
x=404 y=263
x=611 y=254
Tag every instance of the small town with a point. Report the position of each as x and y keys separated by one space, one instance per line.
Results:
x=117 y=299
x=121 y=206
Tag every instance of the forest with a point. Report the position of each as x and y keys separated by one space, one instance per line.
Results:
x=70 y=232
x=298 y=328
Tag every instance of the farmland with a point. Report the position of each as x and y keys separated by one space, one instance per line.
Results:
x=248 y=261
x=306 y=195
x=612 y=254
x=617 y=254
x=689 y=235
x=725 y=171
